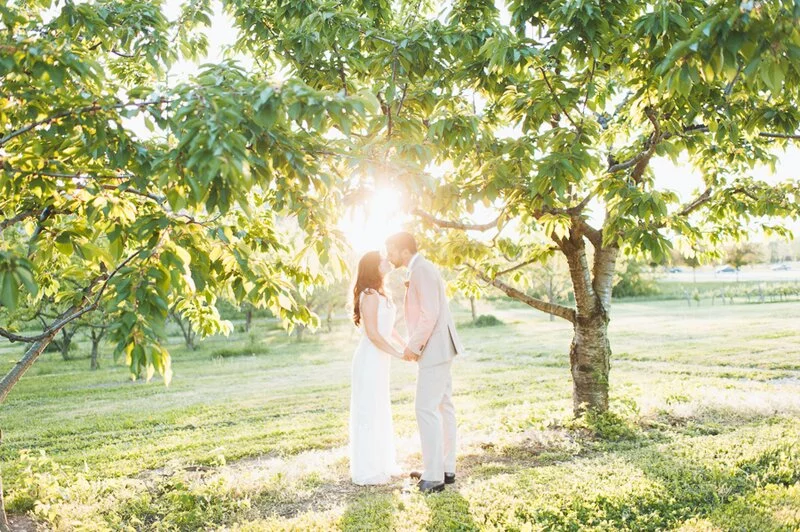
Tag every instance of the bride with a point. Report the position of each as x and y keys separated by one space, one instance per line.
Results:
x=372 y=448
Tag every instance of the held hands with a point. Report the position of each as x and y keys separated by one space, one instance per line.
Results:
x=410 y=356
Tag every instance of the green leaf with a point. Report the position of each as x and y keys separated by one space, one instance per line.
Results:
x=25 y=277
x=285 y=302
x=9 y=290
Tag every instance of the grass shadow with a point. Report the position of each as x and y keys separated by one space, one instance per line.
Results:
x=450 y=512
x=718 y=493
x=369 y=511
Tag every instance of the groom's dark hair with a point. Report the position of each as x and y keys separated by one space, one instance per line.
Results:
x=402 y=241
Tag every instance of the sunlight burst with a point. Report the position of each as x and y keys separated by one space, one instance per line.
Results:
x=368 y=224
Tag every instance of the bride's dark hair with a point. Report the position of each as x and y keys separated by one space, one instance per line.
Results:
x=368 y=277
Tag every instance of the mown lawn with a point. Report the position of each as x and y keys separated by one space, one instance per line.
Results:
x=252 y=433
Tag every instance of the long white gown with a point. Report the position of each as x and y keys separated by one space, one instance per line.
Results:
x=372 y=449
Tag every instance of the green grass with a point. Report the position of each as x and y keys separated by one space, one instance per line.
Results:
x=252 y=433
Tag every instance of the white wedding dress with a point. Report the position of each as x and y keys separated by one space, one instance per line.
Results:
x=372 y=449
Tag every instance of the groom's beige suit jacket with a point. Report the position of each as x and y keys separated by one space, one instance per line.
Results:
x=432 y=332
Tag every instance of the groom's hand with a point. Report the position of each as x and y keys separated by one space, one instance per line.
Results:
x=410 y=355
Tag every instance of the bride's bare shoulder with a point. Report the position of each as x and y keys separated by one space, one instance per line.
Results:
x=374 y=295
x=370 y=293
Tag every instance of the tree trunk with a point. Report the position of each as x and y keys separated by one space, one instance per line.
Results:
x=472 y=307
x=248 y=320
x=8 y=382
x=27 y=360
x=550 y=296
x=187 y=331
x=4 y=527
x=589 y=358
x=66 y=342
x=15 y=374
x=190 y=336
x=590 y=352
x=97 y=337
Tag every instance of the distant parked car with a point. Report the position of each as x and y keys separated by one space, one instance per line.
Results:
x=781 y=267
x=725 y=269
x=675 y=269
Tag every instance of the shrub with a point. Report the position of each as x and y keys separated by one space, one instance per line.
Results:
x=487 y=320
x=633 y=282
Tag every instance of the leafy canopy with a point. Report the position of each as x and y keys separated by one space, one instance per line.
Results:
x=93 y=215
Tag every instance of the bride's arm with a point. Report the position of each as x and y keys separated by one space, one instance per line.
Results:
x=369 y=315
x=397 y=337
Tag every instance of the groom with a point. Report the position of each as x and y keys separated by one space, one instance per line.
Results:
x=432 y=342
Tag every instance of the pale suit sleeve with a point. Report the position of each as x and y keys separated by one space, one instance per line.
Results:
x=425 y=282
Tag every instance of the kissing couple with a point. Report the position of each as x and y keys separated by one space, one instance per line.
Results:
x=432 y=343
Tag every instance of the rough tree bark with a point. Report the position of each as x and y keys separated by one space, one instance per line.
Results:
x=472 y=307
x=64 y=342
x=27 y=360
x=590 y=352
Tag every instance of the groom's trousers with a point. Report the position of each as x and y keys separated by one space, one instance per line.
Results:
x=436 y=419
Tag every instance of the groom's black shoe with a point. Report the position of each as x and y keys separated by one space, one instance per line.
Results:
x=429 y=486
x=449 y=478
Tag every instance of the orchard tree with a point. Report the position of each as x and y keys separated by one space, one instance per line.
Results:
x=94 y=216
x=92 y=212
x=742 y=254
x=550 y=114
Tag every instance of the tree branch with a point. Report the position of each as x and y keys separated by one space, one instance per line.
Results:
x=402 y=100
x=613 y=168
x=8 y=222
x=76 y=175
x=633 y=161
x=74 y=112
x=779 y=135
x=75 y=312
x=731 y=83
x=517 y=267
x=595 y=236
x=577 y=209
x=123 y=54
x=696 y=203
x=655 y=139
x=27 y=360
x=555 y=309
x=379 y=38
x=158 y=199
x=695 y=128
x=555 y=98
x=446 y=224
